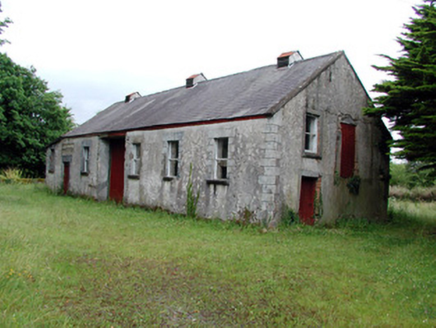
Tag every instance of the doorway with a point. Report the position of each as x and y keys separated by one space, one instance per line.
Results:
x=116 y=173
x=66 y=177
x=307 y=200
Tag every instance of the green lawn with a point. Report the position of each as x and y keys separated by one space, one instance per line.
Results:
x=69 y=262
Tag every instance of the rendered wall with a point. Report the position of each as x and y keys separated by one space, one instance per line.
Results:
x=336 y=96
x=248 y=188
x=266 y=160
x=94 y=182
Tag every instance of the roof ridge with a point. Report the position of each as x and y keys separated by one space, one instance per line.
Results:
x=238 y=73
x=249 y=93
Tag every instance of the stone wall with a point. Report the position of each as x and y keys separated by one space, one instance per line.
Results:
x=265 y=165
x=336 y=96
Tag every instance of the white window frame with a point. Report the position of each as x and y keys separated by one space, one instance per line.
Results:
x=136 y=159
x=173 y=158
x=221 y=158
x=85 y=159
x=311 y=134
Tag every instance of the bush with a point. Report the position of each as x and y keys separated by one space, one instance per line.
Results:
x=14 y=175
x=411 y=175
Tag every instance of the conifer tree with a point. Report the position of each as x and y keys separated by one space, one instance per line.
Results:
x=3 y=23
x=409 y=99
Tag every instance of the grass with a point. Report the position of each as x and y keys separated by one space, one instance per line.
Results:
x=13 y=175
x=69 y=262
x=427 y=194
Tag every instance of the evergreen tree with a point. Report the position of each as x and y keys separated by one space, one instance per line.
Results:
x=31 y=117
x=4 y=23
x=409 y=100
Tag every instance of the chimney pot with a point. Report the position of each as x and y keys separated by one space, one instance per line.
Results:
x=131 y=97
x=194 y=79
x=288 y=58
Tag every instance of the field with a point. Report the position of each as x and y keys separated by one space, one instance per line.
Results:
x=71 y=262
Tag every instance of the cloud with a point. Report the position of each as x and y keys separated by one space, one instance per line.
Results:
x=95 y=52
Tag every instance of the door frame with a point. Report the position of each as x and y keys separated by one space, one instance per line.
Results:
x=66 y=178
x=308 y=199
x=116 y=176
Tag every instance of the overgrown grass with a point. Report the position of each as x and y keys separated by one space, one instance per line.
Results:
x=14 y=175
x=68 y=262
x=423 y=194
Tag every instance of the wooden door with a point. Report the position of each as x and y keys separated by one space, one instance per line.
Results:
x=307 y=200
x=116 y=179
x=66 y=177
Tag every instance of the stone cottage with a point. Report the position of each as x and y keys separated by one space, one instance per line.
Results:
x=276 y=140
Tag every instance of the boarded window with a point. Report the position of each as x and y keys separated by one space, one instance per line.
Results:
x=85 y=160
x=173 y=159
x=136 y=159
x=221 y=157
x=51 y=161
x=348 y=150
x=311 y=134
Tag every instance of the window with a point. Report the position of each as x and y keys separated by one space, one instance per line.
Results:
x=85 y=160
x=311 y=135
x=173 y=159
x=221 y=157
x=348 y=150
x=136 y=159
x=51 y=161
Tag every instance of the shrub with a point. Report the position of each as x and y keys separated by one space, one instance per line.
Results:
x=411 y=175
x=11 y=175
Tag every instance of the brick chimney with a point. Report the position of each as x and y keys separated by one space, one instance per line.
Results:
x=288 y=58
x=194 y=79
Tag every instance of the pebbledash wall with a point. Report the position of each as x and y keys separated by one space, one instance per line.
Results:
x=266 y=159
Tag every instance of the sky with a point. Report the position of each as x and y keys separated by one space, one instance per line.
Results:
x=95 y=52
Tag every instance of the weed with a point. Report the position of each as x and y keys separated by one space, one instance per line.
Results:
x=245 y=217
x=353 y=184
x=289 y=217
x=191 y=197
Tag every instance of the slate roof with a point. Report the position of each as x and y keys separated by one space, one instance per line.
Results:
x=258 y=92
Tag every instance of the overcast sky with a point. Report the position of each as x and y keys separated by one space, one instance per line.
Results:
x=97 y=51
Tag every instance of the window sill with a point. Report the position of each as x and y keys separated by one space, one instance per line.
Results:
x=312 y=155
x=133 y=176
x=222 y=182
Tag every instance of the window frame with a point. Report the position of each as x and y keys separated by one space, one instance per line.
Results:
x=51 y=160
x=221 y=161
x=311 y=145
x=85 y=160
x=135 y=163
x=173 y=162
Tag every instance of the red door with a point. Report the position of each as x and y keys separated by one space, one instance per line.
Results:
x=348 y=150
x=66 y=176
x=116 y=180
x=307 y=200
